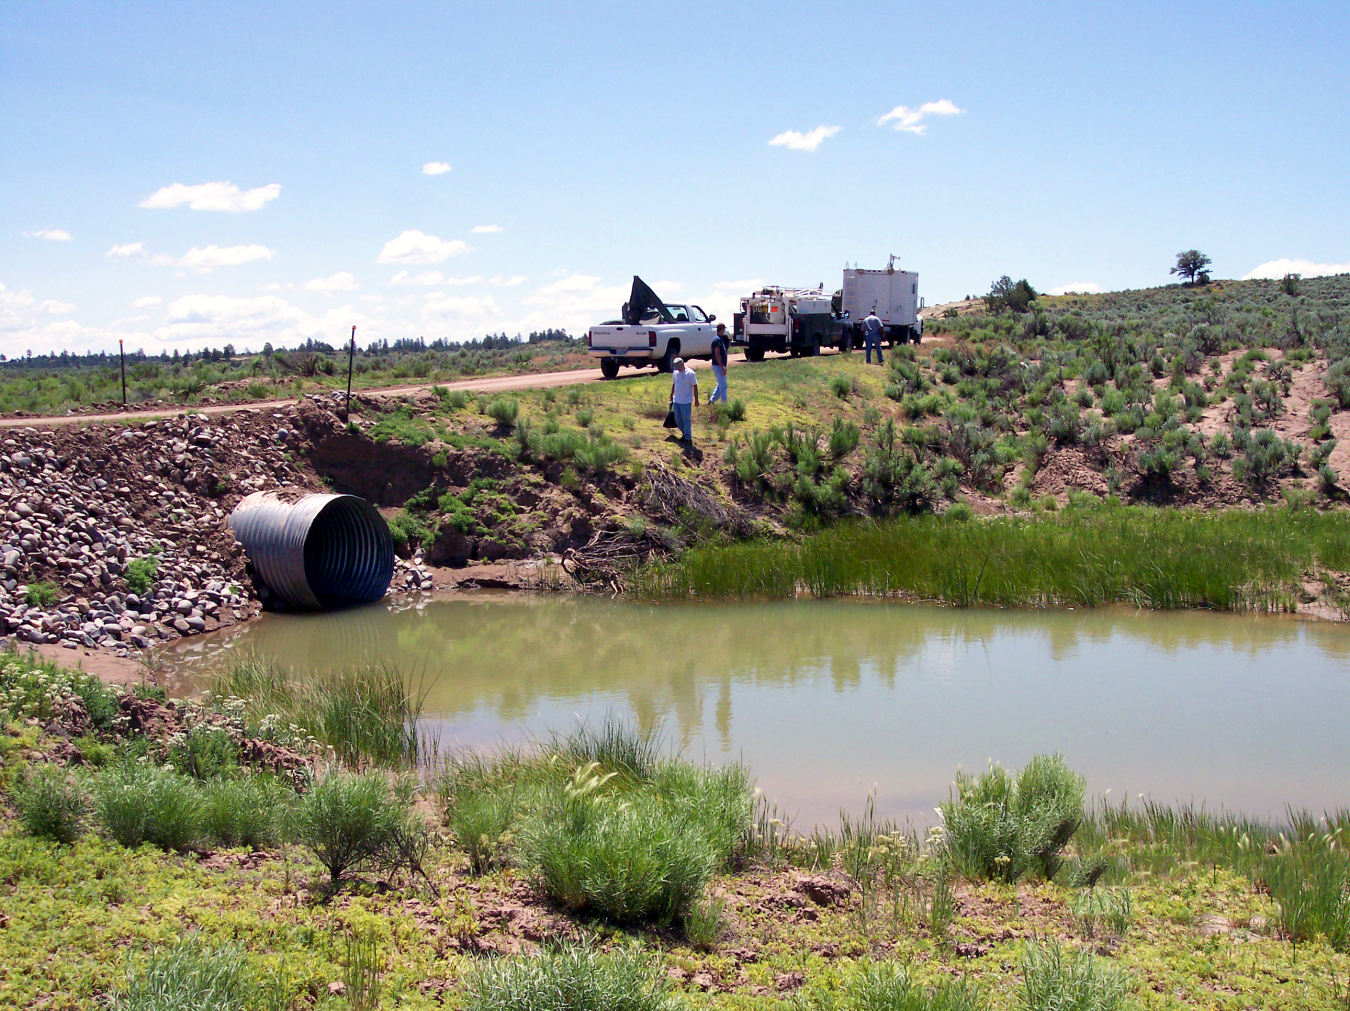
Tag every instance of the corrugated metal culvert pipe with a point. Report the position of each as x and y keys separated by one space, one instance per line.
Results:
x=319 y=551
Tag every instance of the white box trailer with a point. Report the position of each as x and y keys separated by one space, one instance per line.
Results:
x=892 y=294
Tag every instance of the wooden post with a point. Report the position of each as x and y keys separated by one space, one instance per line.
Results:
x=351 y=358
x=122 y=353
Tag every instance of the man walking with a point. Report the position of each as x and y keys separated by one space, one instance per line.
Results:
x=872 y=336
x=684 y=398
x=719 y=367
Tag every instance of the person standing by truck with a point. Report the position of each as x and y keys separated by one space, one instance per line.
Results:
x=719 y=366
x=683 y=398
x=872 y=336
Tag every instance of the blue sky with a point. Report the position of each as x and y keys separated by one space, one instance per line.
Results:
x=189 y=174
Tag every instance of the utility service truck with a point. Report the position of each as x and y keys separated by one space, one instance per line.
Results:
x=801 y=321
x=651 y=332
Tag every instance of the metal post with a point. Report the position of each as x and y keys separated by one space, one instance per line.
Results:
x=121 y=351
x=351 y=358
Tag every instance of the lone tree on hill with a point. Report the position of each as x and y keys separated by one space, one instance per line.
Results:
x=1005 y=294
x=1191 y=265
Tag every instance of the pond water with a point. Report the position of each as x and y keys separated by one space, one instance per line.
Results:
x=829 y=701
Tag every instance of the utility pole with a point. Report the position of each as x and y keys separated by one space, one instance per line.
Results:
x=351 y=358
x=122 y=353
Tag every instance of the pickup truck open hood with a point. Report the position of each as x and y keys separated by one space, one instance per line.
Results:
x=643 y=302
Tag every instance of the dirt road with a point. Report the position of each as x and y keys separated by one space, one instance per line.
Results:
x=493 y=384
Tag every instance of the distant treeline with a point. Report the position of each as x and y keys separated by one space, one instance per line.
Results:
x=406 y=345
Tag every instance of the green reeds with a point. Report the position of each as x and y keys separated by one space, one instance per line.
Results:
x=1083 y=556
x=575 y=978
x=367 y=715
x=188 y=977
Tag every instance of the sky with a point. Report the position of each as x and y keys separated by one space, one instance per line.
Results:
x=188 y=175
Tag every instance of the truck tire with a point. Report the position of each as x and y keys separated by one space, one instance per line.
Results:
x=609 y=368
x=814 y=349
x=754 y=353
x=667 y=363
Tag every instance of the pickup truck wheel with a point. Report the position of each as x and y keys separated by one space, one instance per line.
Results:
x=814 y=349
x=667 y=362
x=754 y=354
x=609 y=368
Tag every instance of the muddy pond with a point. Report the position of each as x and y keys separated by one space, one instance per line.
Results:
x=832 y=701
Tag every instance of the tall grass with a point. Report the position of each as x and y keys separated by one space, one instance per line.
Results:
x=1053 y=980
x=367 y=715
x=1084 y=556
x=574 y=978
x=188 y=977
x=882 y=987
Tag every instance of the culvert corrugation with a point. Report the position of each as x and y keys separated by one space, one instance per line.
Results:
x=321 y=551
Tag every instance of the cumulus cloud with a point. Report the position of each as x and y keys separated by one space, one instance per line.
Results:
x=910 y=120
x=54 y=234
x=1078 y=288
x=207 y=258
x=126 y=251
x=461 y=309
x=435 y=168
x=1276 y=269
x=414 y=247
x=217 y=196
x=146 y=302
x=485 y=229
x=341 y=281
x=809 y=141
x=426 y=277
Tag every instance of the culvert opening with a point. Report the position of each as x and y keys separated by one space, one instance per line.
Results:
x=349 y=555
x=320 y=551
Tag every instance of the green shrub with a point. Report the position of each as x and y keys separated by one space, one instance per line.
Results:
x=349 y=821
x=188 y=977
x=480 y=820
x=34 y=688
x=141 y=574
x=571 y=979
x=600 y=455
x=844 y=438
x=503 y=410
x=585 y=416
x=249 y=811
x=51 y=804
x=841 y=386
x=1002 y=828
x=959 y=511
x=1054 y=981
x=456 y=400
x=43 y=594
x=139 y=803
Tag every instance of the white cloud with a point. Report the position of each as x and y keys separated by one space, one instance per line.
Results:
x=341 y=281
x=217 y=196
x=145 y=303
x=664 y=288
x=414 y=246
x=55 y=234
x=462 y=310
x=808 y=141
x=1077 y=288
x=1276 y=269
x=426 y=277
x=128 y=250
x=485 y=229
x=209 y=257
x=435 y=168
x=912 y=120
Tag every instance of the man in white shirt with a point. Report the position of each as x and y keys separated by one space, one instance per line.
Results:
x=684 y=397
x=872 y=327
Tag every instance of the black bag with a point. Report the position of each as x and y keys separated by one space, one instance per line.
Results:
x=670 y=420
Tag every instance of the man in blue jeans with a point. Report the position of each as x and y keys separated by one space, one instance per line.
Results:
x=872 y=336
x=684 y=398
x=719 y=366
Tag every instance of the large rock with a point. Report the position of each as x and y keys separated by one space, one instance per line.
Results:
x=451 y=547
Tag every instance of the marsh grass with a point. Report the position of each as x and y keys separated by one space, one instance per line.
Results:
x=881 y=987
x=249 y=811
x=188 y=977
x=139 y=803
x=52 y=804
x=349 y=821
x=367 y=715
x=1086 y=555
x=571 y=978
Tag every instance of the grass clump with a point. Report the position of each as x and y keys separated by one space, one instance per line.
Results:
x=32 y=688
x=876 y=987
x=188 y=977
x=1002 y=828
x=43 y=594
x=1055 y=981
x=574 y=979
x=141 y=573
x=503 y=410
x=249 y=811
x=51 y=804
x=139 y=803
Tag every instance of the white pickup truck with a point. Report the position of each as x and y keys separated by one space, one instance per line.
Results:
x=651 y=332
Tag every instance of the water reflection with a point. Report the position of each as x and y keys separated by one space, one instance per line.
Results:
x=829 y=700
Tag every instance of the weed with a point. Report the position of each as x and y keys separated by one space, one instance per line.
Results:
x=347 y=821
x=43 y=594
x=574 y=978
x=249 y=811
x=140 y=574
x=363 y=971
x=1055 y=981
x=139 y=803
x=881 y=987
x=503 y=410
x=841 y=386
x=703 y=922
